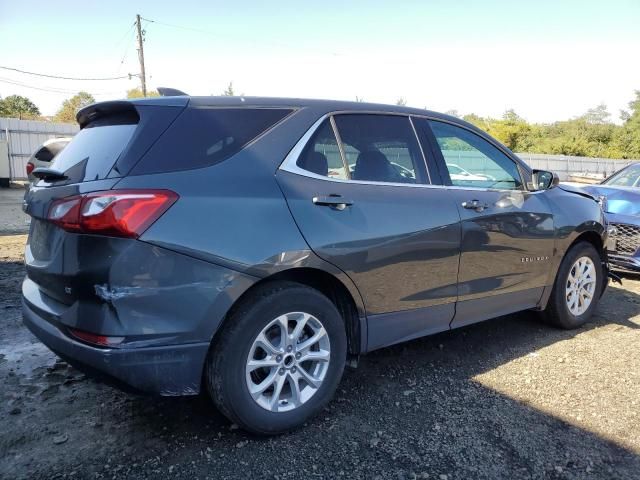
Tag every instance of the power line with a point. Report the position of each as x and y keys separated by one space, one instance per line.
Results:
x=131 y=27
x=128 y=47
x=60 y=77
x=180 y=27
x=214 y=34
x=53 y=90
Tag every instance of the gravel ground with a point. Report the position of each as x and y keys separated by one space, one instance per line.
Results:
x=508 y=398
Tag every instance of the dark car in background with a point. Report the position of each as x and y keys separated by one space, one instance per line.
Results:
x=620 y=198
x=251 y=247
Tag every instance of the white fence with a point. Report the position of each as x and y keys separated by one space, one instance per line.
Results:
x=564 y=165
x=23 y=137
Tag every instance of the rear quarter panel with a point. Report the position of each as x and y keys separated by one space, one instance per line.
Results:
x=233 y=214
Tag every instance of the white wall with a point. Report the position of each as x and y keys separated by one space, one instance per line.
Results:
x=25 y=136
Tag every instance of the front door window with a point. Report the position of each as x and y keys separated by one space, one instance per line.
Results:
x=472 y=161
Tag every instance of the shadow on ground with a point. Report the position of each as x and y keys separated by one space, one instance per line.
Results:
x=414 y=410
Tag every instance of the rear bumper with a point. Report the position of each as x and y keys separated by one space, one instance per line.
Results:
x=164 y=370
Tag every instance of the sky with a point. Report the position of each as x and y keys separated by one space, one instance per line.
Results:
x=548 y=60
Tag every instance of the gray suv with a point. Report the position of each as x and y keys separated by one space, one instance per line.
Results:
x=251 y=247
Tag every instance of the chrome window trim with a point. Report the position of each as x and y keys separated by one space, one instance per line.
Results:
x=289 y=164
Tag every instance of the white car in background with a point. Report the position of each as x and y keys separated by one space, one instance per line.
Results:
x=43 y=156
x=456 y=172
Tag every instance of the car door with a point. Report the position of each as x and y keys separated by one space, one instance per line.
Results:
x=507 y=232
x=360 y=191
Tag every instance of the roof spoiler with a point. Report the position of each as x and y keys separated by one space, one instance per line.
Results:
x=96 y=110
x=171 y=92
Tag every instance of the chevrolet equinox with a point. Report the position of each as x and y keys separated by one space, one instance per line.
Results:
x=252 y=247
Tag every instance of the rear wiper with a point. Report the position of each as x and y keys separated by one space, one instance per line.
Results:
x=48 y=174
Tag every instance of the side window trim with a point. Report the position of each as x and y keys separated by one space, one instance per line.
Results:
x=425 y=163
x=442 y=161
x=440 y=179
x=428 y=143
x=343 y=156
x=425 y=123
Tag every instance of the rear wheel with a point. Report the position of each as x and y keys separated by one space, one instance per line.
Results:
x=577 y=288
x=279 y=358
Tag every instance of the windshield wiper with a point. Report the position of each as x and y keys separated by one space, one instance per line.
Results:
x=48 y=174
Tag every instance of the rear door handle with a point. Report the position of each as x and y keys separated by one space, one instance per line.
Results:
x=475 y=205
x=334 y=201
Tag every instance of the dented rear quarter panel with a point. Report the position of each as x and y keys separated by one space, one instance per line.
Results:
x=231 y=216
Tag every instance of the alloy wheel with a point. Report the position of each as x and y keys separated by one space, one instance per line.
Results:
x=581 y=286
x=288 y=362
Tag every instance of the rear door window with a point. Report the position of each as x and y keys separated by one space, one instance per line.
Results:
x=381 y=148
x=376 y=148
x=322 y=155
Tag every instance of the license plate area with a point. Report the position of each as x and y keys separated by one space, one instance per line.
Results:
x=40 y=239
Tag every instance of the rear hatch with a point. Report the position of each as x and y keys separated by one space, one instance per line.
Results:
x=113 y=137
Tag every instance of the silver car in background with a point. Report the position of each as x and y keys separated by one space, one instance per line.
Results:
x=43 y=156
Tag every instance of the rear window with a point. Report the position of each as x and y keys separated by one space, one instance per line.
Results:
x=93 y=151
x=201 y=137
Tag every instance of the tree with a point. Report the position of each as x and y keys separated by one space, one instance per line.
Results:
x=598 y=115
x=69 y=108
x=401 y=102
x=229 y=91
x=359 y=99
x=16 y=106
x=627 y=138
x=590 y=135
x=137 y=93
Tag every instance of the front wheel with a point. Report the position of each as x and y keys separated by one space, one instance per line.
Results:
x=577 y=288
x=279 y=358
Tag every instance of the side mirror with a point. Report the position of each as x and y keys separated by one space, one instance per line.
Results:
x=544 y=180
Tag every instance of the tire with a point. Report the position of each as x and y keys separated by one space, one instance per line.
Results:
x=559 y=311
x=229 y=375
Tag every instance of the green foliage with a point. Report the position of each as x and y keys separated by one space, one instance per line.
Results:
x=137 y=93
x=229 y=91
x=627 y=138
x=589 y=135
x=16 y=106
x=69 y=108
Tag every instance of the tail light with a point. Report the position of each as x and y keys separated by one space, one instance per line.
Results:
x=119 y=213
x=30 y=167
x=94 y=339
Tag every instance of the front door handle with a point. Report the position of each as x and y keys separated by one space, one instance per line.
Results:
x=476 y=205
x=334 y=201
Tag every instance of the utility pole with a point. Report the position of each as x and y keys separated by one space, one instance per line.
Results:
x=143 y=78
